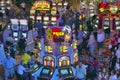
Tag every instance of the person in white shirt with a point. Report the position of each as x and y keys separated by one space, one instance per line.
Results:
x=118 y=52
x=117 y=65
x=100 y=40
x=9 y=66
x=113 y=76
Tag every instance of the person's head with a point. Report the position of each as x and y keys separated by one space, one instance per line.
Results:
x=113 y=53
x=8 y=56
x=38 y=20
x=80 y=64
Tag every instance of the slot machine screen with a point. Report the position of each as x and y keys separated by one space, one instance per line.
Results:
x=15 y=27
x=15 y=34
x=45 y=23
x=24 y=35
x=106 y=23
x=117 y=23
x=32 y=17
x=39 y=18
x=97 y=21
x=45 y=71
x=53 y=19
x=64 y=72
x=59 y=4
x=46 y=18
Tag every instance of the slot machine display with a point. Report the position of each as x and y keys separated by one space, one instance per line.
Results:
x=15 y=29
x=46 y=21
x=24 y=28
x=106 y=23
x=48 y=69
x=96 y=22
x=39 y=18
x=54 y=20
x=65 y=71
x=117 y=23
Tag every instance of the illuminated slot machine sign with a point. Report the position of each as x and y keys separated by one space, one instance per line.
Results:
x=64 y=61
x=45 y=20
x=41 y=5
x=117 y=23
x=54 y=20
x=49 y=61
x=55 y=33
x=75 y=58
x=106 y=23
x=63 y=49
x=48 y=49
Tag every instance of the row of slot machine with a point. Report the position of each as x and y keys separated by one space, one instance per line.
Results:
x=59 y=57
x=18 y=28
x=46 y=12
x=109 y=16
x=108 y=22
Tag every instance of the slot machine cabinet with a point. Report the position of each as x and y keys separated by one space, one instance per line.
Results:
x=46 y=20
x=24 y=28
x=117 y=23
x=39 y=18
x=54 y=20
x=15 y=28
x=33 y=18
x=65 y=71
x=96 y=22
x=106 y=23
x=48 y=69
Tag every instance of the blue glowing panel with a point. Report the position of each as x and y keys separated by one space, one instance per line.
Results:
x=45 y=71
x=64 y=71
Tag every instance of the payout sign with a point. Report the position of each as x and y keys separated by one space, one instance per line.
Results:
x=55 y=34
x=42 y=5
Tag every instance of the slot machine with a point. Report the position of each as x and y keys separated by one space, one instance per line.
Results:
x=54 y=20
x=15 y=29
x=39 y=18
x=106 y=23
x=45 y=21
x=64 y=68
x=24 y=28
x=48 y=71
x=96 y=22
x=117 y=23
